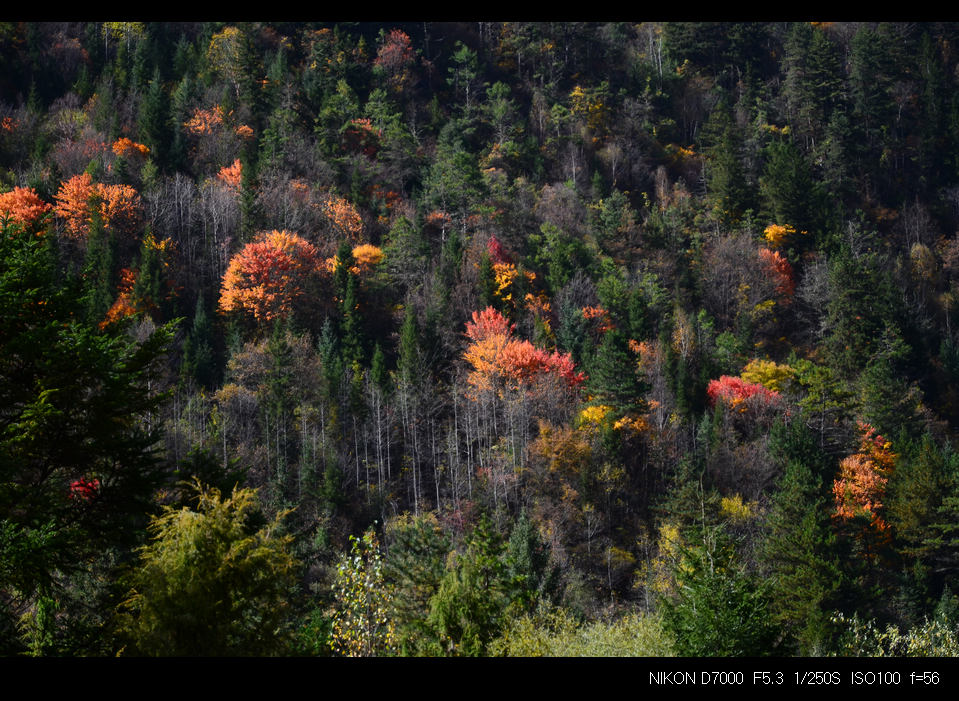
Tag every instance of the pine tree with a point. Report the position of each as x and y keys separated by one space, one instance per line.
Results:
x=614 y=375
x=212 y=582
x=799 y=553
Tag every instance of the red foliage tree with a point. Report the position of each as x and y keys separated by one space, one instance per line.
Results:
x=488 y=322
x=779 y=269
x=737 y=393
x=497 y=253
x=394 y=59
x=495 y=355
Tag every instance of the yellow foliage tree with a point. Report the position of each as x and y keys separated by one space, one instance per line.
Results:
x=767 y=373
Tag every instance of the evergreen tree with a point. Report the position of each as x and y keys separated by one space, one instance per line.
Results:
x=212 y=582
x=614 y=375
x=78 y=461
x=799 y=550
x=199 y=360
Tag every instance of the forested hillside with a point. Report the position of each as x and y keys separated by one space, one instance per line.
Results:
x=479 y=339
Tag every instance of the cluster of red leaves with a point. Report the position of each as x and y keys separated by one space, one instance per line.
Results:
x=495 y=355
x=861 y=485
x=23 y=205
x=497 y=253
x=8 y=124
x=779 y=269
x=396 y=52
x=84 y=489
x=738 y=393
x=266 y=277
x=395 y=57
x=119 y=205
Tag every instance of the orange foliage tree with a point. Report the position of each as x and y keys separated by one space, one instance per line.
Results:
x=126 y=148
x=498 y=358
x=232 y=175
x=779 y=269
x=118 y=205
x=344 y=217
x=267 y=276
x=23 y=206
x=204 y=121
x=860 y=488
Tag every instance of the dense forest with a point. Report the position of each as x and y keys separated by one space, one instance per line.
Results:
x=479 y=339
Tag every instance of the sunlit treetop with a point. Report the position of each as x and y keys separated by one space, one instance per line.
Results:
x=266 y=278
x=365 y=257
x=23 y=206
x=126 y=148
x=343 y=217
x=497 y=358
x=860 y=487
x=738 y=393
x=779 y=269
x=204 y=121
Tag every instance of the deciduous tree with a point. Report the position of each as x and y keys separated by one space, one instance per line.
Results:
x=267 y=276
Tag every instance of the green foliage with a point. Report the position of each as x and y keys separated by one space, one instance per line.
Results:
x=530 y=567
x=719 y=609
x=78 y=461
x=614 y=375
x=799 y=549
x=468 y=609
x=213 y=581
x=415 y=565
x=932 y=638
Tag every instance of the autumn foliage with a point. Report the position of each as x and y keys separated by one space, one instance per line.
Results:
x=739 y=394
x=204 y=121
x=267 y=276
x=343 y=217
x=860 y=488
x=778 y=269
x=232 y=175
x=119 y=205
x=497 y=357
x=23 y=205
x=83 y=489
x=365 y=256
x=125 y=148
